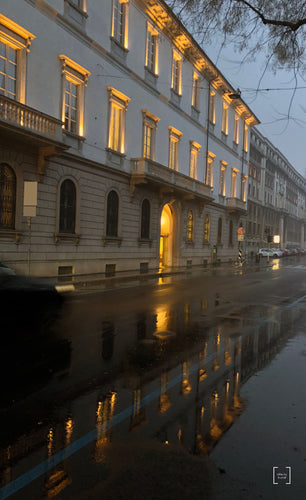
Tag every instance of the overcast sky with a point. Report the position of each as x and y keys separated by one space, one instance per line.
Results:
x=270 y=107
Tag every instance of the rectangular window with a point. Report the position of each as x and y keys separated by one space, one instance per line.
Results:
x=71 y=106
x=149 y=131
x=225 y=119
x=194 y=151
x=118 y=103
x=246 y=138
x=119 y=25
x=209 y=168
x=222 y=179
x=243 y=188
x=176 y=81
x=236 y=130
x=212 y=106
x=74 y=82
x=234 y=183
x=152 y=50
x=195 y=100
x=8 y=70
x=174 y=141
x=206 y=228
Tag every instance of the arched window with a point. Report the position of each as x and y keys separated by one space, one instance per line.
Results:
x=190 y=226
x=7 y=197
x=67 y=207
x=219 y=239
x=145 y=220
x=112 y=214
x=230 y=234
x=206 y=228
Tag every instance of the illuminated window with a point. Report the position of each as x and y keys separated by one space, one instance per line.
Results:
x=190 y=225
x=219 y=233
x=206 y=228
x=8 y=70
x=74 y=82
x=149 y=131
x=118 y=103
x=209 y=168
x=236 y=130
x=174 y=140
x=152 y=50
x=243 y=187
x=222 y=178
x=7 y=197
x=195 y=100
x=145 y=219
x=246 y=138
x=194 y=151
x=120 y=23
x=225 y=119
x=67 y=207
x=234 y=182
x=176 y=81
x=14 y=45
x=212 y=108
x=112 y=214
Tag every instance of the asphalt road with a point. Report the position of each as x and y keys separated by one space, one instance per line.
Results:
x=130 y=390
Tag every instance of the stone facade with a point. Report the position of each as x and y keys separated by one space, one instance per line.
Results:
x=118 y=115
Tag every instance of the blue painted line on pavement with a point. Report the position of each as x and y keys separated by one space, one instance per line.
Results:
x=80 y=443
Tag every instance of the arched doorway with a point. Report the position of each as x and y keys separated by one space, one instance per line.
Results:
x=166 y=237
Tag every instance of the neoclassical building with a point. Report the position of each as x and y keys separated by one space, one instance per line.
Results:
x=276 y=198
x=122 y=146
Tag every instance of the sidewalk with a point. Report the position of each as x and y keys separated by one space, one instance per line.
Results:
x=99 y=281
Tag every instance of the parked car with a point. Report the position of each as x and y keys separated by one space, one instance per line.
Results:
x=276 y=253
x=27 y=303
x=265 y=252
x=5 y=270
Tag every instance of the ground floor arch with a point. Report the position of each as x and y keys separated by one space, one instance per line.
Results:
x=167 y=236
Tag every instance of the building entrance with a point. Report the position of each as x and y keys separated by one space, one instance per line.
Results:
x=166 y=237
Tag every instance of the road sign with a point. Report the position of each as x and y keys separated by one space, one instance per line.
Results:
x=240 y=230
x=240 y=237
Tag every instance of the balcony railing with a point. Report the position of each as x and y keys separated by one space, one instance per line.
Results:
x=235 y=205
x=144 y=170
x=30 y=120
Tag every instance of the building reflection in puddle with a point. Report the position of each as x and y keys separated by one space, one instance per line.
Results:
x=196 y=387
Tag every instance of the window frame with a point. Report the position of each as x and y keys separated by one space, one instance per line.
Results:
x=176 y=73
x=19 y=39
x=13 y=196
x=190 y=227
x=174 y=142
x=120 y=36
x=152 y=45
x=234 y=176
x=219 y=231
x=118 y=101
x=209 y=181
x=212 y=107
x=145 y=222
x=224 y=126
x=112 y=227
x=77 y=75
x=223 y=167
x=64 y=230
x=206 y=235
x=193 y=160
x=236 y=130
x=150 y=121
x=195 y=97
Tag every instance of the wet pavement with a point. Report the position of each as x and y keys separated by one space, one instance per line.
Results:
x=136 y=393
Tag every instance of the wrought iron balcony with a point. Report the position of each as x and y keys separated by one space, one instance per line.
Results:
x=144 y=171
x=28 y=123
x=235 y=205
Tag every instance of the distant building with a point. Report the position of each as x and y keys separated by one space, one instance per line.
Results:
x=276 y=198
x=138 y=144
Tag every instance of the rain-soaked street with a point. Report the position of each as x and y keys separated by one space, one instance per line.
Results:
x=187 y=386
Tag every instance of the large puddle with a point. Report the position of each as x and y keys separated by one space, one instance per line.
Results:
x=164 y=375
